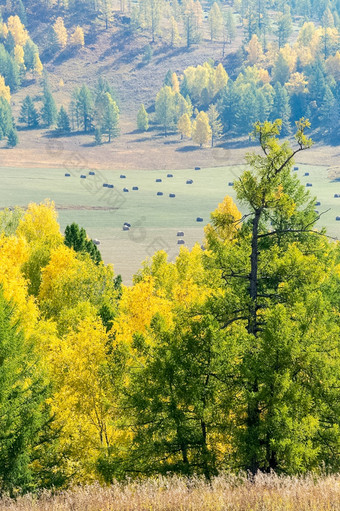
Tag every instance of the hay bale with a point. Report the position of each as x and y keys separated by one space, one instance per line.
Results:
x=125 y=190
x=158 y=180
x=309 y=184
x=67 y=175
x=96 y=242
x=180 y=233
x=169 y=175
x=126 y=228
x=230 y=183
x=105 y=185
x=180 y=242
x=296 y=168
x=110 y=186
x=199 y=219
x=91 y=173
x=337 y=218
x=127 y=224
x=189 y=182
x=197 y=168
x=306 y=174
x=159 y=193
x=135 y=188
x=172 y=195
x=336 y=196
x=82 y=176
x=318 y=203
x=316 y=211
x=122 y=176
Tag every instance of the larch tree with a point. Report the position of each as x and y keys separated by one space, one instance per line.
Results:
x=201 y=129
x=142 y=119
x=215 y=22
x=60 y=32
x=77 y=37
x=254 y=50
x=215 y=124
x=110 y=117
x=184 y=126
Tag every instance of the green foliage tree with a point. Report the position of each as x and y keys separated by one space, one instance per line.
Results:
x=49 y=110
x=84 y=107
x=284 y=26
x=12 y=138
x=23 y=414
x=28 y=113
x=142 y=119
x=63 y=121
x=77 y=239
x=215 y=124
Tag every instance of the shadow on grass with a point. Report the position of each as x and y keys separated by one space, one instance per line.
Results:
x=188 y=148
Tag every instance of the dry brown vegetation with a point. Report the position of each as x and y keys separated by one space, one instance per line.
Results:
x=225 y=493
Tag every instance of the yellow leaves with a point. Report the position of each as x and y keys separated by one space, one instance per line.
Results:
x=38 y=67
x=40 y=222
x=254 y=50
x=4 y=90
x=184 y=125
x=290 y=57
x=333 y=66
x=19 y=55
x=17 y=30
x=297 y=84
x=226 y=220
x=201 y=130
x=174 y=83
x=61 y=33
x=77 y=38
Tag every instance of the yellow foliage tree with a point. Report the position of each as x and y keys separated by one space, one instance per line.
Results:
x=60 y=32
x=254 y=50
x=38 y=67
x=77 y=38
x=297 y=84
x=17 y=30
x=4 y=90
x=175 y=38
x=226 y=219
x=175 y=82
x=201 y=130
x=184 y=126
x=19 y=55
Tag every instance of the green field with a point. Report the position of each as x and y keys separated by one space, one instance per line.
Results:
x=155 y=220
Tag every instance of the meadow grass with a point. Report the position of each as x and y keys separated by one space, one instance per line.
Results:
x=224 y=493
x=154 y=219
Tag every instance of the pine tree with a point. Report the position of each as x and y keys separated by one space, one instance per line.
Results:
x=23 y=413
x=174 y=34
x=284 y=26
x=110 y=117
x=49 y=110
x=28 y=113
x=97 y=136
x=63 y=121
x=142 y=119
x=77 y=239
x=84 y=108
x=12 y=139
x=281 y=108
x=281 y=71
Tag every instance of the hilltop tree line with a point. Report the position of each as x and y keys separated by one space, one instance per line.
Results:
x=302 y=78
x=226 y=359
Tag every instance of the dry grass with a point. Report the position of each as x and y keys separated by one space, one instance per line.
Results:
x=226 y=493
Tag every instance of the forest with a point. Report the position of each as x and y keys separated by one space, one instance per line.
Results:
x=226 y=359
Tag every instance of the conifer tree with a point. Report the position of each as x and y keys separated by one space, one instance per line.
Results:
x=60 y=32
x=28 y=113
x=215 y=124
x=49 y=109
x=110 y=117
x=63 y=121
x=215 y=22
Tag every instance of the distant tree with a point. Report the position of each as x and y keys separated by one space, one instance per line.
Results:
x=12 y=139
x=97 y=136
x=28 y=113
x=49 y=109
x=215 y=22
x=20 y=10
x=76 y=238
x=284 y=26
x=327 y=107
x=215 y=124
x=165 y=108
x=147 y=54
x=84 y=107
x=30 y=50
x=168 y=78
x=105 y=12
x=153 y=10
x=174 y=33
x=228 y=28
x=254 y=50
x=77 y=38
x=110 y=118
x=4 y=90
x=63 y=121
x=201 y=129
x=142 y=119
x=281 y=70
x=184 y=126
x=60 y=32
x=281 y=107
x=192 y=17
x=38 y=67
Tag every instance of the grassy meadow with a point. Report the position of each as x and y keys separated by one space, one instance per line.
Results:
x=154 y=219
x=224 y=493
